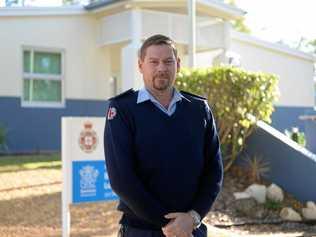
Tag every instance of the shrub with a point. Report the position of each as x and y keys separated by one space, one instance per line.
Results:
x=297 y=136
x=238 y=99
x=3 y=146
x=273 y=205
x=257 y=168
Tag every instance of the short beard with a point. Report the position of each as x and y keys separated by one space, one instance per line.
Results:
x=165 y=84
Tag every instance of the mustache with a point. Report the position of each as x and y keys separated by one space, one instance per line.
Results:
x=162 y=75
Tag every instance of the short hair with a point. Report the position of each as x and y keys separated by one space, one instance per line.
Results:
x=157 y=40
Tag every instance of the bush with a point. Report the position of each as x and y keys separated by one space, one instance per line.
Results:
x=238 y=99
x=297 y=136
x=3 y=146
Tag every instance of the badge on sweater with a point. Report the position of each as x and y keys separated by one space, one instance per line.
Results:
x=111 y=113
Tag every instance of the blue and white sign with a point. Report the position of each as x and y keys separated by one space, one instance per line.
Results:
x=84 y=172
x=90 y=182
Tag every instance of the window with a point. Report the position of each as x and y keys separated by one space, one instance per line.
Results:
x=42 y=78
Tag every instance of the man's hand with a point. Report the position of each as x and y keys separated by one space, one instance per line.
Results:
x=181 y=225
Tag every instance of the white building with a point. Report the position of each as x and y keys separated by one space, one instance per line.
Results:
x=67 y=61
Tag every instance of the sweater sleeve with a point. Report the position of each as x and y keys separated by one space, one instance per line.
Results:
x=119 y=157
x=212 y=177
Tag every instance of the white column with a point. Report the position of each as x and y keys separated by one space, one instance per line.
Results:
x=192 y=32
x=223 y=57
x=131 y=77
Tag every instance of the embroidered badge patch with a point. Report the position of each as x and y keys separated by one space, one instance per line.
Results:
x=111 y=113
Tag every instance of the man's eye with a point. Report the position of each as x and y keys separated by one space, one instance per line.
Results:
x=169 y=62
x=153 y=62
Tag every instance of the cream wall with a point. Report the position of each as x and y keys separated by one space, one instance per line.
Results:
x=295 y=72
x=86 y=65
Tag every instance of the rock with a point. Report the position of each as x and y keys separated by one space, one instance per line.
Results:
x=248 y=207
x=311 y=205
x=275 y=193
x=241 y=195
x=258 y=192
x=309 y=213
x=245 y=206
x=259 y=212
x=289 y=214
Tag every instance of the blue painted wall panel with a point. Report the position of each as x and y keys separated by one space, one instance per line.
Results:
x=288 y=117
x=39 y=129
x=291 y=167
x=310 y=134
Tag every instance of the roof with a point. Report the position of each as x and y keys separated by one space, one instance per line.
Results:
x=207 y=7
x=42 y=11
x=215 y=6
x=99 y=4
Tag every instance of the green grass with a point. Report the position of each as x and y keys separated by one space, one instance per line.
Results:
x=272 y=205
x=29 y=162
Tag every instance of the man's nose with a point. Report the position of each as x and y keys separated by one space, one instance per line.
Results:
x=162 y=66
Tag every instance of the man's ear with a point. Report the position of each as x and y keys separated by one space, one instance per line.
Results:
x=178 y=64
x=140 y=65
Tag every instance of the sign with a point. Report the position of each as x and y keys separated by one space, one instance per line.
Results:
x=90 y=182
x=85 y=177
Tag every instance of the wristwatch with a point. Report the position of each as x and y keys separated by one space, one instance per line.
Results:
x=196 y=218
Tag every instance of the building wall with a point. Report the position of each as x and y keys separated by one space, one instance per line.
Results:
x=89 y=66
x=86 y=64
x=290 y=165
x=286 y=117
x=296 y=73
x=39 y=129
x=86 y=77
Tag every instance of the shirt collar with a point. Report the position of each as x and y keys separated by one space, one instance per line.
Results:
x=144 y=95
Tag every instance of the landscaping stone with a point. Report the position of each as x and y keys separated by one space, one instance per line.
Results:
x=250 y=208
x=245 y=206
x=258 y=192
x=309 y=213
x=275 y=193
x=289 y=214
x=241 y=195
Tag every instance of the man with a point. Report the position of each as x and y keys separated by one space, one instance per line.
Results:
x=162 y=151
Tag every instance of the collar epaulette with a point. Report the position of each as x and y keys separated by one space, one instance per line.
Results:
x=125 y=93
x=193 y=95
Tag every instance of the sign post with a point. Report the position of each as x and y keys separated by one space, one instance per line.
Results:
x=85 y=177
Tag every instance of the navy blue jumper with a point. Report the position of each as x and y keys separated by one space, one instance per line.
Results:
x=159 y=164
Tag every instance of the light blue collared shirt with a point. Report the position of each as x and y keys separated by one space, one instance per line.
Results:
x=144 y=95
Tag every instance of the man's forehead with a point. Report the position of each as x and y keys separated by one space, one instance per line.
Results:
x=159 y=51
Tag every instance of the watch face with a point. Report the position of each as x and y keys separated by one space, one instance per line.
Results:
x=196 y=221
x=195 y=217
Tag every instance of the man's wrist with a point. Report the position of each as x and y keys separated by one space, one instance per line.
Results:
x=196 y=218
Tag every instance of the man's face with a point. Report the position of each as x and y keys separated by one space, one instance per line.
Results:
x=159 y=67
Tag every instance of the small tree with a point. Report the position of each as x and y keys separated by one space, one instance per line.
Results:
x=238 y=98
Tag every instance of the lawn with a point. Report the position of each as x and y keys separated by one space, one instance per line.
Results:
x=29 y=162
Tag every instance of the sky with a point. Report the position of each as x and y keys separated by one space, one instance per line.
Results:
x=276 y=20
x=271 y=20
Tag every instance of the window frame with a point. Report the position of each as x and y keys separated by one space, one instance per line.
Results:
x=53 y=77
